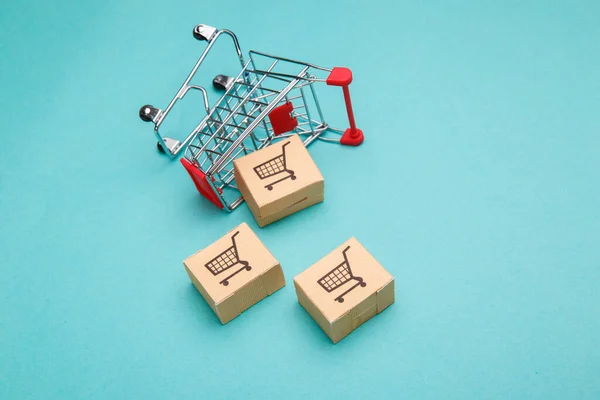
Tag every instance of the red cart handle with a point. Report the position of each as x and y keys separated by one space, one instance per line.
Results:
x=340 y=76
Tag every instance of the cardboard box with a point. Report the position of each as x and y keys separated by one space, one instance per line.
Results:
x=234 y=273
x=344 y=289
x=279 y=180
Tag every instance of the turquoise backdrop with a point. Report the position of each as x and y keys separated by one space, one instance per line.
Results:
x=478 y=188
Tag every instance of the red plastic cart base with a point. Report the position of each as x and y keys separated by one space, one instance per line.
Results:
x=201 y=182
x=350 y=138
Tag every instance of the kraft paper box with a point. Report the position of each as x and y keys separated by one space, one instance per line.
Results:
x=279 y=180
x=344 y=289
x=234 y=273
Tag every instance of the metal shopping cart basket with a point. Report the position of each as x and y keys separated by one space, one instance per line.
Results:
x=226 y=260
x=339 y=276
x=275 y=166
x=270 y=99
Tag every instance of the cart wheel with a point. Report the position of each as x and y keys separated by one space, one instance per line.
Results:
x=147 y=112
x=363 y=284
x=222 y=82
x=269 y=187
x=160 y=147
x=225 y=283
x=248 y=268
x=204 y=32
x=197 y=33
x=293 y=177
x=340 y=300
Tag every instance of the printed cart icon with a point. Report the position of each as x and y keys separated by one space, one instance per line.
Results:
x=226 y=260
x=275 y=166
x=339 y=276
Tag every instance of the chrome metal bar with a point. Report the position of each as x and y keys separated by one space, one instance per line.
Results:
x=183 y=89
x=281 y=76
x=289 y=60
x=316 y=99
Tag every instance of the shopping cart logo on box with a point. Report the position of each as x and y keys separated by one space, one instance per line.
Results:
x=275 y=166
x=227 y=260
x=271 y=98
x=339 y=276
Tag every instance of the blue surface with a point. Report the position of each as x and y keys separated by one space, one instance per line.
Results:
x=477 y=187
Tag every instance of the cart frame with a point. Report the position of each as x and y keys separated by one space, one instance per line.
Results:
x=270 y=99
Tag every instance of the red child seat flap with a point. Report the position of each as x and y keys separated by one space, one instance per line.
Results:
x=281 y=118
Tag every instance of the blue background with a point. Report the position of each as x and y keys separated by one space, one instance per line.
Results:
x=477 y=187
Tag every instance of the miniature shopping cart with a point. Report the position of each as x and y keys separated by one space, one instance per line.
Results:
x=227 y=260
x=270 y=99
x=275 y=166
x=339 y=276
